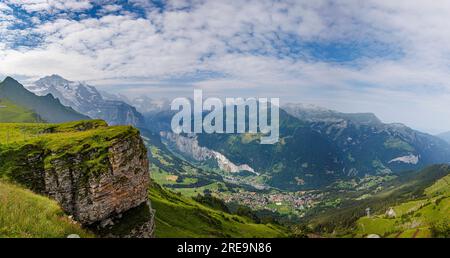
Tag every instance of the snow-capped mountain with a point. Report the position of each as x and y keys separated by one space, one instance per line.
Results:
x=87 y=100
x=143 y=104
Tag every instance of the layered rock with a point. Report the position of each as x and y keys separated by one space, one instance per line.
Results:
x=97 y=173
x=94 y=198
x=190 y=147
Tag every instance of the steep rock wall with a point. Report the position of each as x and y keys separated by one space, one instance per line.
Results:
x=97 y=173
x=94 y=198
x=190 y=147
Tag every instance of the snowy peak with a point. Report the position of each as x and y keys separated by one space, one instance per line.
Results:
x=87 y=100
x=70 y=93
x=52 y=80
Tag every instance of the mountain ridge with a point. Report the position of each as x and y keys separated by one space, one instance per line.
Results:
x=316 y=149
x=47 y=107
x=444 y=136
x=87 y=100
x=11 y=112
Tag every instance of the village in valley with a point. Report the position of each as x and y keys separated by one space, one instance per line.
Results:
x=284 y=203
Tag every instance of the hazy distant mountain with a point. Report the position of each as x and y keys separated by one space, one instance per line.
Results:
x=46 y=106
x=143 y=104
x=156 y=112
x=87 y=100
x=147 y=105
x=111 y=96
x=444 y=136
x=314 y=114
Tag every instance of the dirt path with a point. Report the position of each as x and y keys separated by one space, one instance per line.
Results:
x=313 y=235
x=398 y=234
x=415 y=233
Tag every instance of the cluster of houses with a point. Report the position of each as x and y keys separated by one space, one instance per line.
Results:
x=297 y=201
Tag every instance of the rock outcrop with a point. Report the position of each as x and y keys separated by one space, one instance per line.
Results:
x=97 y=173
x=190 y=147
x=95 y=198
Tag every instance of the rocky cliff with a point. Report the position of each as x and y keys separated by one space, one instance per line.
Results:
x=188 y=146
x=123 y=185
x=97 y=173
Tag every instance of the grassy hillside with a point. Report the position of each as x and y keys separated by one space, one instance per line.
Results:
x=26 y=148
x=178 y=216
x=10 y=112
x=26 y=214
x=47 y=107
x=29 y=149
x=418 y=198
x=425 y=217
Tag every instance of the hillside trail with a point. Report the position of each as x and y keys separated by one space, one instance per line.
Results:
x=415 y=233
x=398 y=234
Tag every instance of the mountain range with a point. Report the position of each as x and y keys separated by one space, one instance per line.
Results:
x=88 y=179
x=87 y=100
x=319 y=146
x=350 y=161
x=444 y=136
x=11 y=112
x=47 y=107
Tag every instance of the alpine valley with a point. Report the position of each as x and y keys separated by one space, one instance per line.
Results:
x=76 y=160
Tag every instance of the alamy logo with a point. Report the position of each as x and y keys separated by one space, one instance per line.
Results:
x=238 y=115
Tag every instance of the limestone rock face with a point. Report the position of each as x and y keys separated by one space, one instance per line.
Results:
x=99 y=174
x=140 y=223
x=190 y=147
x=93 y=198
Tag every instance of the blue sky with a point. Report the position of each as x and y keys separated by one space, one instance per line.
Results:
x=387 y=57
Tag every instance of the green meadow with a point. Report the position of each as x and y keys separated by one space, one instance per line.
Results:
x=426 y=217
x=25 y=214
x=179 y=216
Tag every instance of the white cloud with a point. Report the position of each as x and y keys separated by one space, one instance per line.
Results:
x=4 y=7
x=244 y=42
x=51 y=5
x=111 y=8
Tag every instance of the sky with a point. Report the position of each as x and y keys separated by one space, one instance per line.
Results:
x=388 y=57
